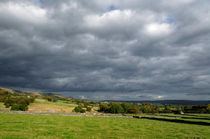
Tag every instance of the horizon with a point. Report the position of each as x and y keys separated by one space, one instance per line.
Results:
x=116 y=100
x=107 y=50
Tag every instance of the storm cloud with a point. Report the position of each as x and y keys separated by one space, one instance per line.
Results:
x=111 y=49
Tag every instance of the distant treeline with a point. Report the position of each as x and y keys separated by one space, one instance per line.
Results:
x=114 y=107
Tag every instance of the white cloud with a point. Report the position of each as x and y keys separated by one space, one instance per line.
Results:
x=111 y=17
x=24 y=11
x=158 y=29
x=65 y=7
x=178 y=2
x=159 y=97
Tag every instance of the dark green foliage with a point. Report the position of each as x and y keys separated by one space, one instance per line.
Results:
x=88 y=109
x=79 y=109
x=126 y=107
x=208 y=108
x=9 y=101
x=19 y=107
x=167 y=109
x=133 y=109
x=82 y=111
x=197 y=109
x=116 y=108
x=18 y=103
x=103 y=108
x=111 y=108
x=150 y=108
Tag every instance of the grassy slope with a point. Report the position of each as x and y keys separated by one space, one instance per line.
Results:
x=42 y=126
x=41 y=105
x=2 y=107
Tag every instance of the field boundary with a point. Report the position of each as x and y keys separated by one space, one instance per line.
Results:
x=204 y=118
x=76 y=115
x=173 y=120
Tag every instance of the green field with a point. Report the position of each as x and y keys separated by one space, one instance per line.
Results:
x=48 y=126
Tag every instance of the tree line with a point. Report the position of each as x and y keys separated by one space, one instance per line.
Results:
x=134 y=108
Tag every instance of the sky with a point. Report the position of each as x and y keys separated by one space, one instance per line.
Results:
x=107 y=49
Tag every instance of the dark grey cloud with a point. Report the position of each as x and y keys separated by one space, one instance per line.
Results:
x=130 y=50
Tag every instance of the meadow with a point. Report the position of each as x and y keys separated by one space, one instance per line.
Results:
x=14 y=126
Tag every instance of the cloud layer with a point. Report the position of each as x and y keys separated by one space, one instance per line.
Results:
x=113 y=49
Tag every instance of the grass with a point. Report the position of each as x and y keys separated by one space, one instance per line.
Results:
x=14 y=126
x=41 y=105
x=49 y=108
x=2 y=107
x=59 y=102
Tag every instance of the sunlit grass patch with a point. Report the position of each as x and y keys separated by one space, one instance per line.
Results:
x=48 y=126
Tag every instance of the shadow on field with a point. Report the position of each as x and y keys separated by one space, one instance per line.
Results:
x=173 y=120
x=203 y=118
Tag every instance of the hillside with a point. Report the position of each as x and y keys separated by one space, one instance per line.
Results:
x=44 y=102
x=32 y=94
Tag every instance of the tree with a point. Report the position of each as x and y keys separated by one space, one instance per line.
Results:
x=88 y=109
x=126 y=107
x=208 y=108
x=79 y=109
x=18 y=103
x=167 y=109
x=19 y=107
x=134 y=109
x=115 y=108
x=103 y=108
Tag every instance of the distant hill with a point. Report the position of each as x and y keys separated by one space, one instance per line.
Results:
x=59 y=96
x=164 y=102
x=14 y=92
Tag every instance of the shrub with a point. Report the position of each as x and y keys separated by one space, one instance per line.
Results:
x=115 y=108
x=82 y=111
x=103 y=108
x=18 y=103
x=134 y=109
x=19 y=107
x=88 y=109
x=126 y=107
x=167 y=109
x=79 y=109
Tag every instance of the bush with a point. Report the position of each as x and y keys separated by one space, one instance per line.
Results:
x=19 y=107
x=79 y=109
x=115 y=108
x=126 y=107
x=167 y=109
x=103 y=108
x=88 y=109
x=18 y=103
x=82 y=111
x=134 y=109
